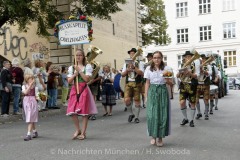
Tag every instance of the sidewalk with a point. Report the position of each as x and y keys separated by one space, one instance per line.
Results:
x=50 y=112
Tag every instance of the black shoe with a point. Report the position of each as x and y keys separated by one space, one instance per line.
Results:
x=199 y=115
x=136 y=120
x=185 y=121
x=211 y=111
x=125 y=109
x=55 y=107
x=130 y=118
x=143 y=106
x=90 y=116
x=93 y=117
x=105 y=114
x=191 y=123
x=216 y=108
x=206 y=117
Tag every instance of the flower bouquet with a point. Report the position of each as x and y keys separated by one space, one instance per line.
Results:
x=42 y=96
x=167 y=74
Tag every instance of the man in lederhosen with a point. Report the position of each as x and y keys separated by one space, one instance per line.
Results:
x=188 y=87
x=203 y=87
x=133 y=72
x=214 y=81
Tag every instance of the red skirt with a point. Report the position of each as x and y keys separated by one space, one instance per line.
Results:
x=85 y=105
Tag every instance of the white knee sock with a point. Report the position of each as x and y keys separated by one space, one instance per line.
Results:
x=192 y=113
x=184 y=112
x=138 y=111
x=216 y=102
x=198 y=107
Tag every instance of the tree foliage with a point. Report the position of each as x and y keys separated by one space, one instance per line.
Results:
x=97 y=8
x=23 y=12
x=154 y=23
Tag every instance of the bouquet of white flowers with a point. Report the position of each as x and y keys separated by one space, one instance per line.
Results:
x=42 y=96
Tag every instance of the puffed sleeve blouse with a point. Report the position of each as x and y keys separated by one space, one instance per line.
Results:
x=87 y=70
x=156 y=77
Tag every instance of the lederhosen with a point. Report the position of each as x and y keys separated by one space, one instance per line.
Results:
x=203 y=88
x=133 y=88
x=188 y=89
x=213 y=76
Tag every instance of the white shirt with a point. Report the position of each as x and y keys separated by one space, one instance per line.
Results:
x=108 y=75
x=88 y=69
x=209 y=70
x=197 y=67
x=156 y=77
x=140 y=66
x=216 y=71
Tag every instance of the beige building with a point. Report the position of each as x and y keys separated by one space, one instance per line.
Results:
x=114 y=38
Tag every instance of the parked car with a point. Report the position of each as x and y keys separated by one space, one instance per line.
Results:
x=237 y=82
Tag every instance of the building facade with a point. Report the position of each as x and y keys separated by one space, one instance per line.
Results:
x=114 y=38
x=209 y=26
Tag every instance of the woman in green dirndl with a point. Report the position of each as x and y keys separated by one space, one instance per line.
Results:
x=158 y=103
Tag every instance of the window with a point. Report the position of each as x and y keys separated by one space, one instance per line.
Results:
x=230 y=58
x=204 y=6
x=182 y=10
x=228 y=5
x=180 y=60
x=205 y=33
x=182 y=35
x=165 y=60
x=229 y=30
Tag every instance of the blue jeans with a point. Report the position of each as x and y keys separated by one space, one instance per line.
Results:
x=5 y=102
x=16 y=95
x=52 y=97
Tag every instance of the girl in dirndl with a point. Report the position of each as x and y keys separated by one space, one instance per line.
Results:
x=158 y=102
x=81 y=103
x=108 y=92
x=30 y=105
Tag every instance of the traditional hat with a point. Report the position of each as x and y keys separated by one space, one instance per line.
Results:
x=132 y=50
x=149 y=55
x=203 y=55
x=187 y=53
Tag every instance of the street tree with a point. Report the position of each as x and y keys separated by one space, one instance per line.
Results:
x=43 y=12
x=154 y=29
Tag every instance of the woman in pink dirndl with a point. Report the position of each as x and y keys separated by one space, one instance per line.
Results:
x=82 y=103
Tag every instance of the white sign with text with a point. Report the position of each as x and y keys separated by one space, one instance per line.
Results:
x=73 y=32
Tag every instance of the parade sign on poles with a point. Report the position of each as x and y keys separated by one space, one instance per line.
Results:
x=75 y=30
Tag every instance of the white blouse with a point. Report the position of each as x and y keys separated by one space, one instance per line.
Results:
x=88 y=69
x=156 y=77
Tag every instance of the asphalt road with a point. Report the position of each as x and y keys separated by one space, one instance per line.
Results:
x=113 y=138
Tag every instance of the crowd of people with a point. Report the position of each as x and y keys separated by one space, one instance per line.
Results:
x=146 y=81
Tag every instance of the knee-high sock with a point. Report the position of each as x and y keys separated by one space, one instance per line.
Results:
x=206 y=109
x=143 y=101
x=184 y=112
x=138 y=111
x=198 y=107
x=192 y=113
x=216 y=102
x=130 y=108
x=211 y=104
